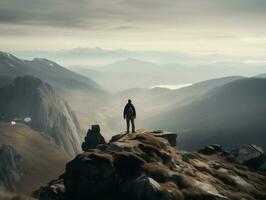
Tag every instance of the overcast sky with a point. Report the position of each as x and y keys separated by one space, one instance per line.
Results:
x=197 y=26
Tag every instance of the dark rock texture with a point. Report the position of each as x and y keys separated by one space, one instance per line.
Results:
x=140 y=166
x=93 y=138
x=249 y=155
x=11 y=167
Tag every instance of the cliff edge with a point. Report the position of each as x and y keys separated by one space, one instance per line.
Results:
x=143 y=165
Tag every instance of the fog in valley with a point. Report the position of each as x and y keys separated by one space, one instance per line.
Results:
x=165 y=94
x=195 y=72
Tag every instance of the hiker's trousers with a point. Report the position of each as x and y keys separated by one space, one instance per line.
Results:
x=130 y=120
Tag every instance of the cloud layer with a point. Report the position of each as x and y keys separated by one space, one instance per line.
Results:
x=216 y=25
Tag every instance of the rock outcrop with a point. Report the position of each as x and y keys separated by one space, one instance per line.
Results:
x=11 y=167
x=29 y=97
x=93 y=138
x=249 y=155
x=169 y=136
x=141 y=166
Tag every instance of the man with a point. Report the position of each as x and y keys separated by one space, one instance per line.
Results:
x=130 y=115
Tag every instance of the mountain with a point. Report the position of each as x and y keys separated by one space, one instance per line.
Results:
x=29 y=100
x=28 y=158
x=134 y=73
x=261 y=75
x=154 y=101
x=232 y=114
x=85 y=96
x=4 y=80
x=46 y=70
x=143 y=165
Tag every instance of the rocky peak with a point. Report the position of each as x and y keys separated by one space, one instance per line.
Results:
x=142 y=166
x=27 y=81
x=49 y=113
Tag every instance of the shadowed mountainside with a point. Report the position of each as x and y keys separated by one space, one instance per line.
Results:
x=39 y=159
x=232 y=114
x=29 y=97
x=152 y=102
x=140 y=166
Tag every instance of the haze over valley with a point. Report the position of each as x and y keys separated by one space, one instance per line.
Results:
x=137 y=100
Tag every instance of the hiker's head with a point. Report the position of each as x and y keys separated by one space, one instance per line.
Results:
x=129 y=101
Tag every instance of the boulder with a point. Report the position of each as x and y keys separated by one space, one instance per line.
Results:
x=93 y=138
x=55 y=189
x=263 y=166
x=208 y=150
x=249 y=155
x=169 y=136
x=141 y=188
x=212 y=149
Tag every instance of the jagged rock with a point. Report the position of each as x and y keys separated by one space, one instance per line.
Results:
x=55 y=189
x=93 y=138
x=142 y=187
x=169 y=136
x=263 y=166
x=249 y=155
x=140 y=166
x=207 y=150
x=11 y=166
x=217 y=147
x=49 y=113
x=212 y=149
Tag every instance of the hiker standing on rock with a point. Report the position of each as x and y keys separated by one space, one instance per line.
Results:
x=130 y=115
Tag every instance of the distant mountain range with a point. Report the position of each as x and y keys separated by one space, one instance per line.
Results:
x=150 y=102
x=46 y=70
x=132 y=73
x=84 y=95
x=44 y=109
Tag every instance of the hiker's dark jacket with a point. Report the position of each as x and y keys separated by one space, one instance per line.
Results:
x=126 y=110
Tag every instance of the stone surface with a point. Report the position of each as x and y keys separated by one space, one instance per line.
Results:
x=169 y=136
x=93 y=138
x=249 y=155
x=143 y=166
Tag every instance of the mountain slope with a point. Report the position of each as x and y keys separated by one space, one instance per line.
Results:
x=143 y=166
x=154 y=101
x=84 y=95
x=29 y=97
x=42 y=159
x=231 y=114
x=47 y=71
x=4 y=81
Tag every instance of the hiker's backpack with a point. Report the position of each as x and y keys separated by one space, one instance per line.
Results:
x=130 y=112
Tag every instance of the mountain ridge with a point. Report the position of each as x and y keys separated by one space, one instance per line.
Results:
x=29 y=97
x=141 y=166
x=232 y=113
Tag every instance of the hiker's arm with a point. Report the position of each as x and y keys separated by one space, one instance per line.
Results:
x=134 y=111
